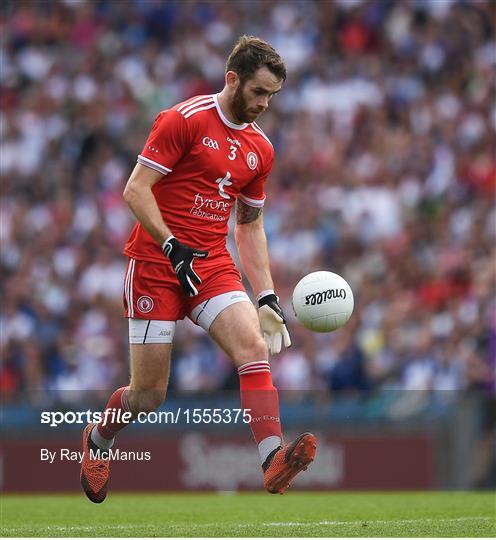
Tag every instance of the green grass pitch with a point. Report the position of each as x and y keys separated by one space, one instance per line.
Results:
x=297 y=514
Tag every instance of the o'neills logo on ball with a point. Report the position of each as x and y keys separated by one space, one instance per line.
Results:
x=252 y=160
x=145 y=304
x=324 y=296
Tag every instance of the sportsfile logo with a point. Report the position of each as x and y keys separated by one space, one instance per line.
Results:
x=112 y=415
x=233 y=465
x=323 y=296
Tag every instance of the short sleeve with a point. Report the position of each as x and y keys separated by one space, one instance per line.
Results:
x=168 y=141
x=253 y=194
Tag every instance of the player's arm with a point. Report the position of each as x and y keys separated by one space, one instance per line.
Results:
x=252 y=246
x=140 y=198
x=253 y=253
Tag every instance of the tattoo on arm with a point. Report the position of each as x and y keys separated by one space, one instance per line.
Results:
x=245 y=213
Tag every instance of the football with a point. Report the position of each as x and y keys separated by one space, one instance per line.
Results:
x=323 y=301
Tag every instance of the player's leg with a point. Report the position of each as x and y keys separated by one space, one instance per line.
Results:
x=150 y=367
x=236 y=329
x=148 y=292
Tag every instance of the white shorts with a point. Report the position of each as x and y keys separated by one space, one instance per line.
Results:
x=143 y=331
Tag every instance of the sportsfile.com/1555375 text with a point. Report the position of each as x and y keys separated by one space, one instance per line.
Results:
x=181 y=415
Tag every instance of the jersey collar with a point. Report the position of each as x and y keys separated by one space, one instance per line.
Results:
x=232 y=125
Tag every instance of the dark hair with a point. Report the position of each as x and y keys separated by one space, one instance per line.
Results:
x=251 y=53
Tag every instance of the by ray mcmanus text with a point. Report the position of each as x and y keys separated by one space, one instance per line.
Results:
x=66 y=454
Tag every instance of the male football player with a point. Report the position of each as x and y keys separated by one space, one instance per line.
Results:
x=202 y=157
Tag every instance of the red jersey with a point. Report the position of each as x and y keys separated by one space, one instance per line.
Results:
x=207 y=162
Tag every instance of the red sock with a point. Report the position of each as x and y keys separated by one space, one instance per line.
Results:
x=260 y=396
x=117 y=405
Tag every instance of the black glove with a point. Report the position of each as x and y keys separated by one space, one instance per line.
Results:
x=181 y=258
x=273 y=323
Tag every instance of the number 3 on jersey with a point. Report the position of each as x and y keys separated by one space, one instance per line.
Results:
x=232 y=155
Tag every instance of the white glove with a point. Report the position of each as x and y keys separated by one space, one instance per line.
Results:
x=272 y=322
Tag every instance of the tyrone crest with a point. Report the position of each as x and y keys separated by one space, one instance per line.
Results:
x=252 y=160
x=145 y=304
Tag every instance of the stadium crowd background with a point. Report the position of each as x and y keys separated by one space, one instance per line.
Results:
x=385 y=173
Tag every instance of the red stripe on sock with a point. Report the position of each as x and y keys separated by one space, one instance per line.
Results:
x=253 y=365
x=255 y=370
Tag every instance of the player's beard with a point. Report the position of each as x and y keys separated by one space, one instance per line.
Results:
x=239 y=106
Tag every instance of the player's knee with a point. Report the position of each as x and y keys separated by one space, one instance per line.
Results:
x=250 y=351
x=145 y=401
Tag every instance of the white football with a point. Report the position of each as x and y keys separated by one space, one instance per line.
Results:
x=323 y=301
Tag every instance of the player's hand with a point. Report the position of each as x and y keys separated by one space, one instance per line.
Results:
x=273 y=323
x=182 y=258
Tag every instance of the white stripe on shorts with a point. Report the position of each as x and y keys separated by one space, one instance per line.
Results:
x=204 y=314
x=126 y=284
x=128 y=287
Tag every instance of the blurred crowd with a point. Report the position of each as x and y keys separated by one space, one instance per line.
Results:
x=385 y=173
